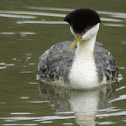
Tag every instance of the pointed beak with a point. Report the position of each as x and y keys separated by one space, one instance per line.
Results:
x=75 y=42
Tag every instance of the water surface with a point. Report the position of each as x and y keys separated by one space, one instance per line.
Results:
x=27 y=29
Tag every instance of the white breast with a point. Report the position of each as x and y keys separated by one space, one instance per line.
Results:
x=83 y=73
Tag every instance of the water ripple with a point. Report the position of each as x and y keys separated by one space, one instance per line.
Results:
x=112 y=109
x=119 y=16
x=33 y=83
x=4 y=65
x=112 y=13
x=106 y=123
x=120 y=113
x=20 y=113
x=21 y=33
x=25 y=14
x=7 y=33
x=67 y=124
x=111 y=20
x=19 y=124
x=44 y=118
x=120 y=88
x=38 y=101
x=16 y=16
x=114 y=25
x=34 y=13
x=121 y=97
x=41 y=22
x=48 y=8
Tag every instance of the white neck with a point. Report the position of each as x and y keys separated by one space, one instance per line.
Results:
x=86 y=46
x=83 y=73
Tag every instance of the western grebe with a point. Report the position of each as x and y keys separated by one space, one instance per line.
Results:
x=85 y=64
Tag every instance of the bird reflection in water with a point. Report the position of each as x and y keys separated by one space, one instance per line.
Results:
x=84 y=103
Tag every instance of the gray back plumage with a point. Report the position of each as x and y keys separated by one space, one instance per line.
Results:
x=56 y=62
x=105 y=63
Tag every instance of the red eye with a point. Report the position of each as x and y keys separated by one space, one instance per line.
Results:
x=85 y=29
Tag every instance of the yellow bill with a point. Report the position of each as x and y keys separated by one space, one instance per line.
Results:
x=76 y=41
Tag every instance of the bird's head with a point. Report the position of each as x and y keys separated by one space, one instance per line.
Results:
x=84 y=24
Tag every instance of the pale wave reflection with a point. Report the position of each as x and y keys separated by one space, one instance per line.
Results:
x=85 y=104
x=16 y=16
x=34 y=13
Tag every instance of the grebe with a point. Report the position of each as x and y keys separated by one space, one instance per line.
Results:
x=85 y=64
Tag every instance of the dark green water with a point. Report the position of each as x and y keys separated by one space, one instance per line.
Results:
x=27 y=29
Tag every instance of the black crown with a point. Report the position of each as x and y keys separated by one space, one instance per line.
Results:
x=80 y=19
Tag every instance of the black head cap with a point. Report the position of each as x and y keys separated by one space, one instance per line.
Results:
x=82 y=18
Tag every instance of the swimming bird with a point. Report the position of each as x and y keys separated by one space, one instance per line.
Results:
x=83 y=63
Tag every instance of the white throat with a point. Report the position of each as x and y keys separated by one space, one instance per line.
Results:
x=86 y=46
x=83 y=73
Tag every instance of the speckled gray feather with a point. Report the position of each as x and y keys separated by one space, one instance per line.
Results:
x=56 y=62
x=105 y=63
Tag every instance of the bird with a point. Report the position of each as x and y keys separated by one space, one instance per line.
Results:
x=82 y=63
